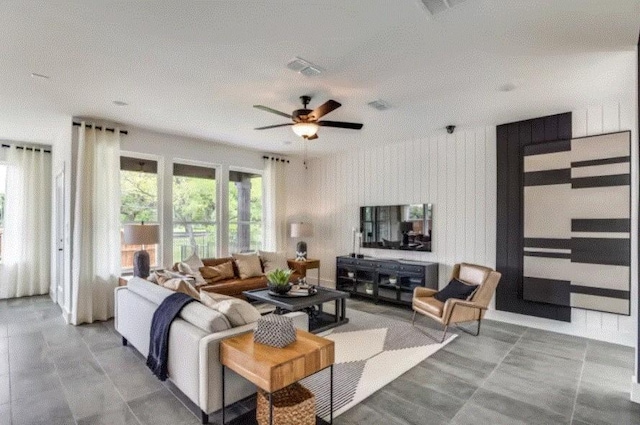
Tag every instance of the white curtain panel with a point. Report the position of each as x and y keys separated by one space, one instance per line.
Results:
x=275 y=199
x=96 y=231
x=26 y=242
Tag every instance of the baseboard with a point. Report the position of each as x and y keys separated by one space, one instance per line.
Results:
x=568 y=328
x=635 y=390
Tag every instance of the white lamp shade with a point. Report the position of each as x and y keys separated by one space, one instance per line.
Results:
x=141 y=234
x=305 y=129
x=301 y=230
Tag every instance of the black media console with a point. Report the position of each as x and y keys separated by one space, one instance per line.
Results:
x=384 y=279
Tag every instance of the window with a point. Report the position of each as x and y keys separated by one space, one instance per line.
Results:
x=139 y=202
x=245 y=212
x=194 y=211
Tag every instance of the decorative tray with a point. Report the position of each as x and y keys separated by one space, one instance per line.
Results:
x=294 y=294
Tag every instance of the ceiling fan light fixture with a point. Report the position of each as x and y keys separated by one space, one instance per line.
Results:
x=305 y=129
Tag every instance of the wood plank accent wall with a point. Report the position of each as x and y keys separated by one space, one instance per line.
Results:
x=511 y=140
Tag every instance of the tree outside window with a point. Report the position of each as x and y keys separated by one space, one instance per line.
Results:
x=139 y=202
x=194 y=212
x=245 y=212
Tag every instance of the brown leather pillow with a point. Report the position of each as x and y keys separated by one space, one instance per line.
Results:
x=220 y=272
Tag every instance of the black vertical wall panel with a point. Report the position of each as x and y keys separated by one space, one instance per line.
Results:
x=511 y=140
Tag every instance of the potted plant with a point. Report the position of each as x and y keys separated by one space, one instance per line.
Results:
x=278 y=281
x=368 y=288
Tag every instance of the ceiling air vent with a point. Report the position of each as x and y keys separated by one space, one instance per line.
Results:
x=380 y=105
x=438 y=6
x=304 y=67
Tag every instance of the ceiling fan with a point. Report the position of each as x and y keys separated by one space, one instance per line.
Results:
x=305 y=121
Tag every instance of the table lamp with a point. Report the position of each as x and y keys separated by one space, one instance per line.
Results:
x=141 y=234
x=301 y=230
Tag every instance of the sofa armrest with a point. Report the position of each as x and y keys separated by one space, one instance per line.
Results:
x=419 y=291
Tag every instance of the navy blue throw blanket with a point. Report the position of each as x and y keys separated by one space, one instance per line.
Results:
x=159 y=343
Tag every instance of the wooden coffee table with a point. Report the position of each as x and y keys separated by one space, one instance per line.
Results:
x=272 y=368
x=319 y=320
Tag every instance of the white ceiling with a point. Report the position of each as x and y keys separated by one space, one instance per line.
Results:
x=197 y=67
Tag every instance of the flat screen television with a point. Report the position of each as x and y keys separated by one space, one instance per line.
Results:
x=404 y=227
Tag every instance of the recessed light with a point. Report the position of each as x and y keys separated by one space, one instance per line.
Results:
x=36 y=75
x=286 y=142
x=120 y=103
x=507 y=87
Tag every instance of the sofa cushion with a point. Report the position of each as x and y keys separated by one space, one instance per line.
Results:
x=149 y=290
x=216 y=273
x=237 y=311
x=205 y=318
x=273 y=260
x=248 y=265
x=429 y=305
x=235 y=287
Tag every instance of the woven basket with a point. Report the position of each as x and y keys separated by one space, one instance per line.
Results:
x=293 y=405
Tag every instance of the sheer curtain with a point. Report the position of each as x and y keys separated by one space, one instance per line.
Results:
x=96 y=230
x=26 y=242
x=275 y=197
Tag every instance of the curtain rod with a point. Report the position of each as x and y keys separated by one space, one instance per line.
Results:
x=274 y=158
x=77 y=124
x=27 y=148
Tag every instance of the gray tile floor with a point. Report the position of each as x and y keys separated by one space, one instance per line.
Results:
x=52 y=373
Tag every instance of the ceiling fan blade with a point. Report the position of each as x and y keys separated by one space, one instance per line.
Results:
x=273 y=126
x=315 y=136
x=324 y=109
x=340 y=124
x=273 y=111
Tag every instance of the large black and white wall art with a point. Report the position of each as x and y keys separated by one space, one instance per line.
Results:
x=576 y=219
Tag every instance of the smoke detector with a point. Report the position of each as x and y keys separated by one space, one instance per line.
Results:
x=379 y=104
x=304 y=67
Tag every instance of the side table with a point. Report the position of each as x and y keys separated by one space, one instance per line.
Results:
x=272 y=369
x=302 y=266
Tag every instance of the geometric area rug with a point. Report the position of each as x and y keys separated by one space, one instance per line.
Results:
x=370 y=352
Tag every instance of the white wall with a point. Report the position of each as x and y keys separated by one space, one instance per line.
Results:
x=457 y=174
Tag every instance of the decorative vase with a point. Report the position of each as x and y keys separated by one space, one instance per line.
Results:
x=351 y=275
x=393 y=280
x=278 y=288
x=275 y=330
x=368 y=289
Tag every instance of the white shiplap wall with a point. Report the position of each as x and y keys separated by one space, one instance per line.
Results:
x=457 y=174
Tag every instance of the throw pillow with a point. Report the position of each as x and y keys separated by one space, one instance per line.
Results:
x=455 y=289
x=161 y=276
x=217 y=273
x=273 y=260
x=180 y=285
x=248 y=265
x=191 y=266
x=237 y=311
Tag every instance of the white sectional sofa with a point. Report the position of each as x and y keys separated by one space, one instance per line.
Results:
x=194 y=343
